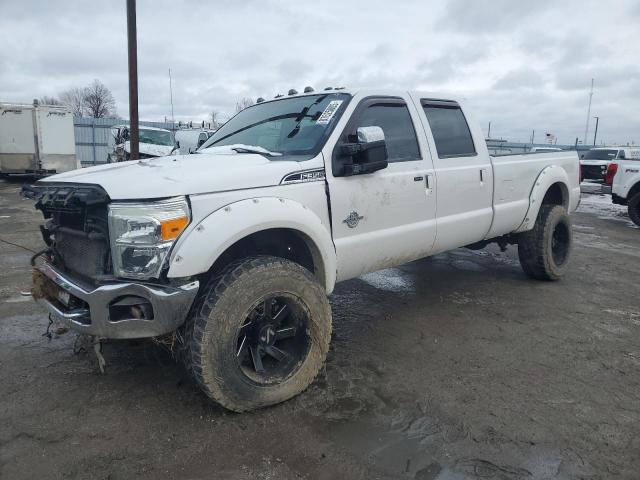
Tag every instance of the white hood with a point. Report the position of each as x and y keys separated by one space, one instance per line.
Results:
x=181 y=175
x=151 y=149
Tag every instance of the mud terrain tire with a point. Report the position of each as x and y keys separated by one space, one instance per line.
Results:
x=544 y=251
x=232 y=301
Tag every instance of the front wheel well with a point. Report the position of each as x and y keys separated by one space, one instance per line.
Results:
x=277 y=242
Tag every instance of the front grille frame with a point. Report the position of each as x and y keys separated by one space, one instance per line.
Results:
x=76 y=230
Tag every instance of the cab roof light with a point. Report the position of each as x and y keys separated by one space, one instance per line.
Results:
x=260 y=100
x=278 y=95
x=328 y=88
x=339 y=88
x=293 y=91
x=308 y=89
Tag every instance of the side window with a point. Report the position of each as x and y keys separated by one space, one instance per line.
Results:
x=450 y=130
x=621 y=155
x=399 y=134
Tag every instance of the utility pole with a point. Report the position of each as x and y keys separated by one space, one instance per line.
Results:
x=586 y=128
x=595 y=134
x=132 y=42
x=173 y=121
x=489 y=132
x=533 y=135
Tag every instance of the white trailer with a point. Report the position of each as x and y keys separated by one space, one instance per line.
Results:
x=36 y=139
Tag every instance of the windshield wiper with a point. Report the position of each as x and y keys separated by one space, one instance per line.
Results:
x=256 y=149
x=302 y=115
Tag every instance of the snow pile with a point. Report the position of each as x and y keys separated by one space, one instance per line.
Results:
x=602 y=206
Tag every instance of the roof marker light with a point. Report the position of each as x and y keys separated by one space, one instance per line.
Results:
x=260 y=100
x=308 y=89
x=293 y=91
x=328 y=88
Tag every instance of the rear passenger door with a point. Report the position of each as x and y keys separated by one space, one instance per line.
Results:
x=464 y=175
x=387 y=217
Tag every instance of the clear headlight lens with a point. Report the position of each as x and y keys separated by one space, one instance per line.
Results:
x=142 y=235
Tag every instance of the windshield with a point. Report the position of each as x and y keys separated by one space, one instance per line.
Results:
x=156 y=137
x=600 y=154
x=291 y=126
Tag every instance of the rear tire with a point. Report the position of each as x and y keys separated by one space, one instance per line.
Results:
x=544 y=251
x=634 y=208
x=260 y=333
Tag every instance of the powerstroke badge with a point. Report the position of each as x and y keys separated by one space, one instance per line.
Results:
x=353 y=219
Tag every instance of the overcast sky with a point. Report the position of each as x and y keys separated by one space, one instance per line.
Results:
x=521 y=65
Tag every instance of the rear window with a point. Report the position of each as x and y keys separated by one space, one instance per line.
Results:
x=600 y=155
x=450 y=130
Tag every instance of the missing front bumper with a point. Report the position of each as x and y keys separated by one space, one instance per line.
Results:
x=91 y=311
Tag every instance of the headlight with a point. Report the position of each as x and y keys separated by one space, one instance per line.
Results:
x=142 y=234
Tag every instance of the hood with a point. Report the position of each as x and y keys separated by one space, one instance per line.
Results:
x=151 y=149
x=181 y=175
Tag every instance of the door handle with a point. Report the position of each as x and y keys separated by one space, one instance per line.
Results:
x=429 y=183
x=483 y=173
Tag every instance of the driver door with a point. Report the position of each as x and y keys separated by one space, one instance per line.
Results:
x=387 y=217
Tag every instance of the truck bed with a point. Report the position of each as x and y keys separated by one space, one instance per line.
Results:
x=514 y=178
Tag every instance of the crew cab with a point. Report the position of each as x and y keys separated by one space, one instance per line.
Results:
x=624 y=178
x=233 y=251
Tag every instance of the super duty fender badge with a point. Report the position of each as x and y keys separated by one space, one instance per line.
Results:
x=306 y=176
x=353 y=219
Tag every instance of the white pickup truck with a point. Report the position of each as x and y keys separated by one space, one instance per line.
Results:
x=624 y=178
x=233 y=251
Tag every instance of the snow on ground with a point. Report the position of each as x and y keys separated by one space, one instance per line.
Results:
x=601 y=205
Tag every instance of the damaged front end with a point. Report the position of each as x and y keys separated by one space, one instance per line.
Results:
x=73 y=278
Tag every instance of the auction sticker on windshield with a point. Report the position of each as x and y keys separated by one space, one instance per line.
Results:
x=329 y=112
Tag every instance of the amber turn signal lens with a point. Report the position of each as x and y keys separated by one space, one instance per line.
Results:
x=170 y=229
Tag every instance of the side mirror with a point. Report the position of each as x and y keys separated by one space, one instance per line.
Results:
x=177 y=143
x=368 y=154
x=200 y=143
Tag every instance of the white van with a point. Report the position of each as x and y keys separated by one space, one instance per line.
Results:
x=190 y=140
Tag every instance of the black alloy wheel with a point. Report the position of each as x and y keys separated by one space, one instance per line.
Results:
x=273 y=341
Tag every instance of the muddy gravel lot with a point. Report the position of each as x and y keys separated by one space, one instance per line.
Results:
x=448 y=368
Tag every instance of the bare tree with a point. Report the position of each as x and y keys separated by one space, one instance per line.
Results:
x=244 y=103
x=46 y=100
x=98 y=101
x=215 y=119
x=73 y=98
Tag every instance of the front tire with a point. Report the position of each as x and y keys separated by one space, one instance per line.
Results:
x=544 y=251
x=261 y=333
x=634 y=208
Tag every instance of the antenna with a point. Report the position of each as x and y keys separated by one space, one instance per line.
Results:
x=586 y=128
x=173 y=122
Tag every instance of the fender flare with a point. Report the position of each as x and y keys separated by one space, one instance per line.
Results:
x=547 y=177
x=204 y=242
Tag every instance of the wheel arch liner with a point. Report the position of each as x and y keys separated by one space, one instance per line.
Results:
x=547 y=177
